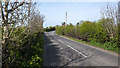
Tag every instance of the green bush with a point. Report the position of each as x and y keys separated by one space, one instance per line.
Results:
x=111 y=46
x=70 y=30
x=35 y=58
x=60 y=30
x=27 y=52
x=86 y=29
x=100 y=34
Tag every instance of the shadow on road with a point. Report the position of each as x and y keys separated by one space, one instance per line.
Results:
x=51 y=57
x=55 y=56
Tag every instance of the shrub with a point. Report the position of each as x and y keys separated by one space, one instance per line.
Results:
x=60 y=30
x=70 y=30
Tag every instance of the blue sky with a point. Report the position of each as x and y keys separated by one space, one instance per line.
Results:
x=55 y=11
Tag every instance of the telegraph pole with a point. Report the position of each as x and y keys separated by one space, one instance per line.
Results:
x=66 y=17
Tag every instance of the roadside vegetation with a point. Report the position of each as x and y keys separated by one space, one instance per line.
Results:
x=102 y=33
x=49 y=29
x=0 y=33
x=22 y=35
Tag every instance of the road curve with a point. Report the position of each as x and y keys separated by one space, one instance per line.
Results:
x=63 y=52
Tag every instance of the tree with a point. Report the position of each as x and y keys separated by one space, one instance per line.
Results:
x=110 y=20
x=36 y=21
x=13 y=15
x=6 y=19
x=17 y=25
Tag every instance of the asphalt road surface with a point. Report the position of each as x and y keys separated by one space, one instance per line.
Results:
x=63 y=52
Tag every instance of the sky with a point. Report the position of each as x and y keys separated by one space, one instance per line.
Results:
x=67 y=0
x=55 y=12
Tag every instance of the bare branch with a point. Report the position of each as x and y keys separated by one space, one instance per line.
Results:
x=2 y=10
x=10 y=10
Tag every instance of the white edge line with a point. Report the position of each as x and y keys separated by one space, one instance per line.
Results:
x=77 y=51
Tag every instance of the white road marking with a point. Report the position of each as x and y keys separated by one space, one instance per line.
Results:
x=54 y=37
x=61 y=48
x=55 y=43
x=60 y=41
x=52 y=40
x=77 y=51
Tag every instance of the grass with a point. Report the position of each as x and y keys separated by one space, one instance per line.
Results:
x=96 y=44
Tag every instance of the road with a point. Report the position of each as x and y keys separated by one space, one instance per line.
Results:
x=63 y=52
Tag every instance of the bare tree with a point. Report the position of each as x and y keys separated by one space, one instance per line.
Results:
x=13 y=15
x=7 y=20
x=110 y=17
x=36 y=21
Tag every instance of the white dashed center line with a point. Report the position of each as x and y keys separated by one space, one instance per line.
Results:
x=54 y=37
x=77 y=51
x=60 y=41
x=74 y=49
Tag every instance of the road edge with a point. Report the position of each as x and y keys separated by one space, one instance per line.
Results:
x=92 y=46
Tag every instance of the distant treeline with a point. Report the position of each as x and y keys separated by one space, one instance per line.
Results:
x=49 y=29
x=101 y=31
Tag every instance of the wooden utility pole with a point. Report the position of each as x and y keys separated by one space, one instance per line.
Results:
x=66 y=17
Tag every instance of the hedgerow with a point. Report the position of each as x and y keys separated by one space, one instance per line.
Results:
x=93 y=32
